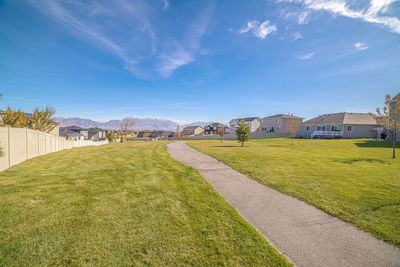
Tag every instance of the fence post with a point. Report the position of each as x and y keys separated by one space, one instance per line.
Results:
x=9 y=146
x=38 y=145
x=26 y=143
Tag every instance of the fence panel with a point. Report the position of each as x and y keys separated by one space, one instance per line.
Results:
x=4 y=160
x=33 y=143
x=20 y=144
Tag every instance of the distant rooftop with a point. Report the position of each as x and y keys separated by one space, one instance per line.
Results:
x=343 y=118
x=282 y=116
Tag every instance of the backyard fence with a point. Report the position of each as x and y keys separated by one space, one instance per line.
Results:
x=20 y=144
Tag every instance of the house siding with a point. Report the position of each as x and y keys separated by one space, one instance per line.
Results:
x=267 y=124
x=358 y=131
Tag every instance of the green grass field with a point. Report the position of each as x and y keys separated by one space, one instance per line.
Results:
x=354 y=180
x=121 y=206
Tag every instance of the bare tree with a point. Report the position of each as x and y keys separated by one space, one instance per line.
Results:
x=127 y=128
x=293 y=125
x=222 y=133
x=390 y=117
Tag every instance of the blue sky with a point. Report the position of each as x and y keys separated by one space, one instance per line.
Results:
x=199 y=60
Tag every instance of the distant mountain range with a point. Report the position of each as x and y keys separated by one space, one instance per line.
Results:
x=140 y=123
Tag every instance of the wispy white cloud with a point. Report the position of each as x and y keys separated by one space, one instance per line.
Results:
x=259 y=30
x=183 y=53
x=296 y=36
x=302 y=16
x=124 y=29
x=306 y=56
x=373 y=14
x=360 y=46
x=169 y=62
x=166 y=4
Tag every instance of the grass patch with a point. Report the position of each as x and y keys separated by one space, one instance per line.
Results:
x=116 y=205
x=354 y=180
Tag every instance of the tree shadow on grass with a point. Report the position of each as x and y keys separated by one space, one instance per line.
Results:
x=354 y=160
x=380 y=206
x=225 y=146
x=370 y=143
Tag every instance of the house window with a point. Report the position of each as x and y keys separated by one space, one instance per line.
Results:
x=349 y=128
x=334 y=128
x=308 y=128
x=271 y=130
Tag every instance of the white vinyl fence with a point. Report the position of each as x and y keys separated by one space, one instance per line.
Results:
x=20 y=144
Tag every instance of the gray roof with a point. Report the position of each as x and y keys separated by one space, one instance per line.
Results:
x=282 y=116
x=217 y=124
x=247 y=119
x=343 y=118
x=192 y=127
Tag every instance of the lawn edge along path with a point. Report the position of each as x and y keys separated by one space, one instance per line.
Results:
x=309 y=236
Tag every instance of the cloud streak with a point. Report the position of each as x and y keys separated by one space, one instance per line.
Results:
x=360 y=46
x=259 y=30
x=124 y=29
x=306 y=56
x=340 y=7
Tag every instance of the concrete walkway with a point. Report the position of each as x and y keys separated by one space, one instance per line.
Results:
x=308 y=236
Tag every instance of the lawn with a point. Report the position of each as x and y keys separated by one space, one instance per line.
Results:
x=354 y=180
x=116 y=205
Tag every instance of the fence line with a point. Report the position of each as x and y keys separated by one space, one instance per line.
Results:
x=20 y=144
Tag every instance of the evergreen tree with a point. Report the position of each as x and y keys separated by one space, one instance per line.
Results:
x=110 y=137
x=243 y=132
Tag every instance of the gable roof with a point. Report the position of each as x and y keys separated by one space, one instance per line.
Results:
x=343 y=118
x=282 y=116
x=217 y=124
x=192 y=127
x=247 y=119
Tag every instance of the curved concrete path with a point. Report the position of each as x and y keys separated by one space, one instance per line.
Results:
x=308 y=236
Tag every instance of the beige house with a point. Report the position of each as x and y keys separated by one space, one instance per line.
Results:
x=252 y=122
x=280 y=123
x=192 y=130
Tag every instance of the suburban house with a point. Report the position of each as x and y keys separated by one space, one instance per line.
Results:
x=161 y=134
x=280 y=123
x=192 y=130
x=145 y=133
x=340 y=125
x=216 y=128
x=70 y=134
x=97 y=134
x=252 y=122
x=76 y=129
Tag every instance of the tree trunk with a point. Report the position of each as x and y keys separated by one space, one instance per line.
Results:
x=242 y=143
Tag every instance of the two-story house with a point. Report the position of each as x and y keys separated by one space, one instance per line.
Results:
x=280 y=123
x=216 y=128
x=252 y=122
x=192 y=130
